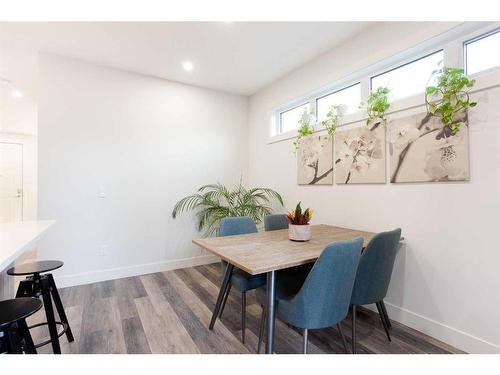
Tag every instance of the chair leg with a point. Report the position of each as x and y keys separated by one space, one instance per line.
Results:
x=60 y=307
x=25 y=289
x=343 y=337
x=261 y=327
x=304 y=341
x=384 y=322
x=25 y=333
x=14 y=341
x=228 y=290
x=354 y=349
x=243 y=315
x=49 y=312
x=384 y=310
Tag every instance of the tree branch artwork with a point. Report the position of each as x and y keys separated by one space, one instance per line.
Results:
x=315 y=161
x=402 y=156
x=317 y=178
x=424 y=149
x=360 y=155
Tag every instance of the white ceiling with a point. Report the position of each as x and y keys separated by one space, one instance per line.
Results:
x=234 y=57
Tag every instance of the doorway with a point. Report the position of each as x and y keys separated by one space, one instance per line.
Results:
x=11 y=182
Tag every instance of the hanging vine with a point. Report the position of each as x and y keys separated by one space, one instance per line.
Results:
x=333 y=119
x=305 y=127
x=377 y=105
x=449 y=97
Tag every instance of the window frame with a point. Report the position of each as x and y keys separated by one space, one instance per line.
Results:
x=475 y=39
x=401 y=65
x=345 y=87
x=288 y=109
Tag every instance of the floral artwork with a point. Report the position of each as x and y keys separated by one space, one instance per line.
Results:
x=315 y=161
x=360 y=155
x=423 y=149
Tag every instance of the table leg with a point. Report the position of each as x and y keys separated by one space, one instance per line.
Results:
x=271 y=290
x=225 y=281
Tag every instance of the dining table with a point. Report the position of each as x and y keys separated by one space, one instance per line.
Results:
x=268 y=253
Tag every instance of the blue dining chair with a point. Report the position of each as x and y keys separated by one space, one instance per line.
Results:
x=231 y=226
x=323 y=299
x=373 y=277
x=275 y=222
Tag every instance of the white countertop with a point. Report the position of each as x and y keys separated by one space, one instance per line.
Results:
x=16 y=238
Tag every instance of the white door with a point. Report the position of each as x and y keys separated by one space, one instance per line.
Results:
x=11 y=182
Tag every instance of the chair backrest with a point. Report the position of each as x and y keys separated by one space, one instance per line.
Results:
x=375 y=268
x=324 y=298
x=231 y=226
x=275 y=222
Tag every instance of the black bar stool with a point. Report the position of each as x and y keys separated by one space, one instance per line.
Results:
x=40 y=283
x=13 y=314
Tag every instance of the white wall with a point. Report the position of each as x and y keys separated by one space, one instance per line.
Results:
x=144 y=143
x=17 y=115
x=446 y=280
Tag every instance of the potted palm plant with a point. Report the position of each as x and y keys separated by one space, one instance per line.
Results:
x=214 y=202
x=299 y=228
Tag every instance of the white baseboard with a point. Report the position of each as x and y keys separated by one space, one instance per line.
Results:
x=64 y=281
x=452 y=336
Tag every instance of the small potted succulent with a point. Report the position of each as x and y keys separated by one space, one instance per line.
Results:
x=299 y=228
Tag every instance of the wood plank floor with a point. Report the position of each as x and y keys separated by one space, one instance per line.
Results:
x=169 y=312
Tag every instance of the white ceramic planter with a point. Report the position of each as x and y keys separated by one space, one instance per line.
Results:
x=299 y=232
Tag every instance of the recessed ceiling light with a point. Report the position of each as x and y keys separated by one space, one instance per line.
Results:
x=16 y=94
x=188 y=65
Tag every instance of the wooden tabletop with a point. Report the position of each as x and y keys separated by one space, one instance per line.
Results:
x=261 y=252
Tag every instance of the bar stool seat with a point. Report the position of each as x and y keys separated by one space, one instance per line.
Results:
x=13 y=314
x=12 y=310
x=39 y=283
x=35 y=267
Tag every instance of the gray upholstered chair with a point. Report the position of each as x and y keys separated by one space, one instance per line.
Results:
x=231 y=226
x=373 y=277
x=323 y=299
x=275 y=222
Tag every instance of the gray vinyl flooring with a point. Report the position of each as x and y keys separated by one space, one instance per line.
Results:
x=169 y=312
